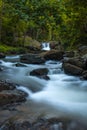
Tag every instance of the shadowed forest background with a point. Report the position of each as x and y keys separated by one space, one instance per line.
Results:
x=42 y=20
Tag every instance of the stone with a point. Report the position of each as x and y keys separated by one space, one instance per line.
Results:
x=10 y=97
x=4 y=85
x=84 y=75
x=79 y=62
x=82 y=50
x=54 y=55
x=32 y=59
x=69 y=54
x=41 y=73
x=2 y=55
x=72 y=69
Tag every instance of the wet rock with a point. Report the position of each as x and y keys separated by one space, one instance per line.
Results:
x=79 y=62
x=1 y=69
x=33 y=48
x=84 y=75
x=2 y=55
x=54 y=55
x=69 y=54
x=20 y=65
x=56 y=45
x=82 y=50
x=4 y=85
x=41 y=73
x=72 y=69
x=42 y=124
x=10 y=97
x=32 y=59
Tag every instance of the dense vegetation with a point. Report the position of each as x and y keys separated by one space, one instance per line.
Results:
x=43 y=20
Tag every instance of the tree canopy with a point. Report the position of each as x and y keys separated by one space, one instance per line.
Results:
x=43 y=20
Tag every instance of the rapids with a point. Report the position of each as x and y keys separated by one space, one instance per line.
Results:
x=61 y=96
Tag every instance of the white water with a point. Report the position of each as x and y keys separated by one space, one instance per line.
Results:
x=67 y=95
x=45 y=46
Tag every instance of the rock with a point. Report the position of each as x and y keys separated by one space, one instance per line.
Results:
x=69 y=54
x=32 y=59
x=33 y=48
x=10 y=97
x=82 y=50
x=84 y=75
x=6 y=86
x=56 y=45
x=79 y=62
x=2 y=55
x=54 y=55
x=42 y=124
x=45 y=77
x=1 y=69
x=41 y=73
x=20 y=65
x=72 y=69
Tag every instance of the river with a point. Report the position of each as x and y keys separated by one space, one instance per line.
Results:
x=62 y=96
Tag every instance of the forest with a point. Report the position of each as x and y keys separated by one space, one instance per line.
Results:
x=42 y=20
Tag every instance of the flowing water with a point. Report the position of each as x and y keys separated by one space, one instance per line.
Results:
x=45 y=46
x=62 y=96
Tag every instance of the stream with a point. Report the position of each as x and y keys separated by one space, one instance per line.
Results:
x=62 y=96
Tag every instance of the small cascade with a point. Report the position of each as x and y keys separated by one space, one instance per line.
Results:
x=46 y=46
x=57 y=126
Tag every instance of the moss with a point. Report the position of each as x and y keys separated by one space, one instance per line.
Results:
x=11 y=50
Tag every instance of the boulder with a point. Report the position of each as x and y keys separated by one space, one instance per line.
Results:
x=54 y=55
x=10 y=97
x=84 y=75
x=56 y=45
x=41 y=73
x=2 y=55
x=72 y=69
x=32 y=59
x=42 y=124
x=82 y=50
x=69 y=54
x=6 y=86
x=79 y=62
x=20 y=65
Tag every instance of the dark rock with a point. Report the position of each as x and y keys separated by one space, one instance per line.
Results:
x=82 y=50
x=42 y=124
x=32 y=59
x=56 y=45
x=72 y=69
x=2 y=55
x=6 y=86
x=10 y=97
x=54 y=55
x=41 y=73
x=20 y=65
x=79 y=62
x=1 y=69
x=84 y=75
x=45 y=77
x=69 y=54
x=33 y=48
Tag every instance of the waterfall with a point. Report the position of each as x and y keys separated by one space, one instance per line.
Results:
x=46 y=46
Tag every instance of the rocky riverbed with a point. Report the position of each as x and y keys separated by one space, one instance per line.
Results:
x=17 y=109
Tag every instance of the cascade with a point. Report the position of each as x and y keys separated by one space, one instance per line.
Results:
x=46 y=46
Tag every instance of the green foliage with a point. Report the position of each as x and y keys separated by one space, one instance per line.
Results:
x=64 y=20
